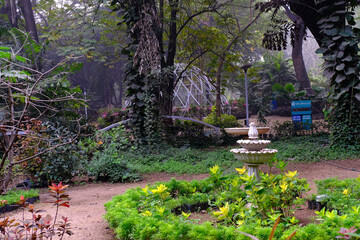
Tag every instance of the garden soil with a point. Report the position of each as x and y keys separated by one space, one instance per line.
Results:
x=87 y=201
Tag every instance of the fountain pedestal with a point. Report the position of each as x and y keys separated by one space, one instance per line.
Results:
x=254 y=153
x=253 y=169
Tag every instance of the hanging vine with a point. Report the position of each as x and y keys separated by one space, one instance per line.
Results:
x=341 y=54
x=144 y=61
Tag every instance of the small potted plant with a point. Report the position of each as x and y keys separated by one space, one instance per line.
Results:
x=312 y=202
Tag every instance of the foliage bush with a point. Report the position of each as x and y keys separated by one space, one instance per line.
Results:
x=63 y=162
x=109 y=163
x=225 y=121
x=273 y=74
x=194 y=135
x=108 y=116
x=283 y=93
x=283 y=111
x=342 y=195
x=150 y=212
x=191 y=134
x=289 y=129
x=59 y=164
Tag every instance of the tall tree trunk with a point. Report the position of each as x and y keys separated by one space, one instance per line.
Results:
x=219 y=75
x=308 y=10
x=10 y=10
x=299 y=65
x=297 y=55
x=30 y=25
x=170 y=61
x=218 y=86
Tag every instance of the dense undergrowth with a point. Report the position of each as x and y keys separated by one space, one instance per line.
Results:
x=157 y=212
x=342 y=195
x=113 y=158
x=312 y=148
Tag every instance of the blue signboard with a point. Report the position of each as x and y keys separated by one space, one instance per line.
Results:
x=306 y=120
x=301 y=104
x=296 y=118
x=296 y=121
x=304 y=115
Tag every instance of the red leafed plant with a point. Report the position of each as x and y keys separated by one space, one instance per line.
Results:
x=38 y=226
x=347 y=233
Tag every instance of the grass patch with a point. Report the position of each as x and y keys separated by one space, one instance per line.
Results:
x=177 y=160
x=312 y=148
x=195 y=161
x=117 y=164
x=13 y=196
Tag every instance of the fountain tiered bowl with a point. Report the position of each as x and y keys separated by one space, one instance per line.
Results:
x=245 y=130
x=254 y=157
x=254 y=152
x=253 y=145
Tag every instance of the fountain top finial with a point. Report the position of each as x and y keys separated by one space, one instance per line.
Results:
x=253 y=133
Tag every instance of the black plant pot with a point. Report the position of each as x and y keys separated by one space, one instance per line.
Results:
x=311 y=204
x=33 y=199
x=197 y=207
x=2 y=209
x=320 y=206
x=13 y=207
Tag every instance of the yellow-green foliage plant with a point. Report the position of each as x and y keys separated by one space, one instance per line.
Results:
x=239 y=206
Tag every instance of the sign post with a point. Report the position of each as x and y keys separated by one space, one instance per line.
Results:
x=301 y=113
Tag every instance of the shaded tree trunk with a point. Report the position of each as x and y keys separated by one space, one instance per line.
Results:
x=9 y=8
x=170 y=59
x=309 y=12
x=30 y=25
x=219 y=75
x=297 y=54
x=218 y=86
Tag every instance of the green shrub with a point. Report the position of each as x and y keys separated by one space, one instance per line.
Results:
x=191 y=134
x=289 y=129
x=342 y=195
x=108 y=167
x=225 y=121
x=59 y=164
x=289 y=87
x=110 y=162
x=63 y=162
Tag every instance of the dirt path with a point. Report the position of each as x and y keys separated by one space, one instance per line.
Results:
x=87 y=202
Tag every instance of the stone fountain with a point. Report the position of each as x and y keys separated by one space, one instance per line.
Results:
x=253 y=152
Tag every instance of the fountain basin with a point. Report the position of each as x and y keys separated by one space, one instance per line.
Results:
x=245 y=130
x=254 y=157
x=253 y=145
